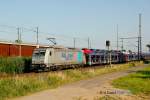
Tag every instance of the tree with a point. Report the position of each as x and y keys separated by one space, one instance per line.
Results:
x=18 y=41
x=148 y=45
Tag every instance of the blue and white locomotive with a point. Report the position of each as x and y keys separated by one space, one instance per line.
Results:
x=56 y=58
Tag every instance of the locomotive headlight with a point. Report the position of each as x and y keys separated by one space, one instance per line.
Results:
x=43 y=65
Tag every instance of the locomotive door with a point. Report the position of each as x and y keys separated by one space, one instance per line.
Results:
x=51 y=57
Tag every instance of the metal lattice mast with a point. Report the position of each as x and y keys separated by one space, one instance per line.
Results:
x=117 y=38
x=37 y=35
x=140 y=36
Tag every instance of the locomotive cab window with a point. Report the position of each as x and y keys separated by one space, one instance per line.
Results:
x=39 y=53
x=42 y=53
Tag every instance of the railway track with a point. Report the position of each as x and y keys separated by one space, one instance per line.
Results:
x=4 y=75
x=30 y=74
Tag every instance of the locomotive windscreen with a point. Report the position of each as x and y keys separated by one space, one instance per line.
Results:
x=39 y=53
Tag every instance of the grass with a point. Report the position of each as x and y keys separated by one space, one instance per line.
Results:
x=14 y=64
x=19 y=85
x=137 y=83
x=13 y=87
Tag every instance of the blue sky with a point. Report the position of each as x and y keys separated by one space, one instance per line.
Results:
x=65 y=19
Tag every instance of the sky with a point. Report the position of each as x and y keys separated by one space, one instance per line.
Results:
x=80 y=19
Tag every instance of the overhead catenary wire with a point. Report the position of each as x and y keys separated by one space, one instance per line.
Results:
x=40 y=32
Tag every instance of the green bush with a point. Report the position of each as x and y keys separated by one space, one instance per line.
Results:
x=14 y=64
x=146 y=61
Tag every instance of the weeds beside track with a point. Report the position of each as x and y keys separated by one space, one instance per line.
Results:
x=23 y=84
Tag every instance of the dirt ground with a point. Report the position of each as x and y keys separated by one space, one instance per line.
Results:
x=90 y=89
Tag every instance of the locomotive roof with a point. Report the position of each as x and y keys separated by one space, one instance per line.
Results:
x=58 y=47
